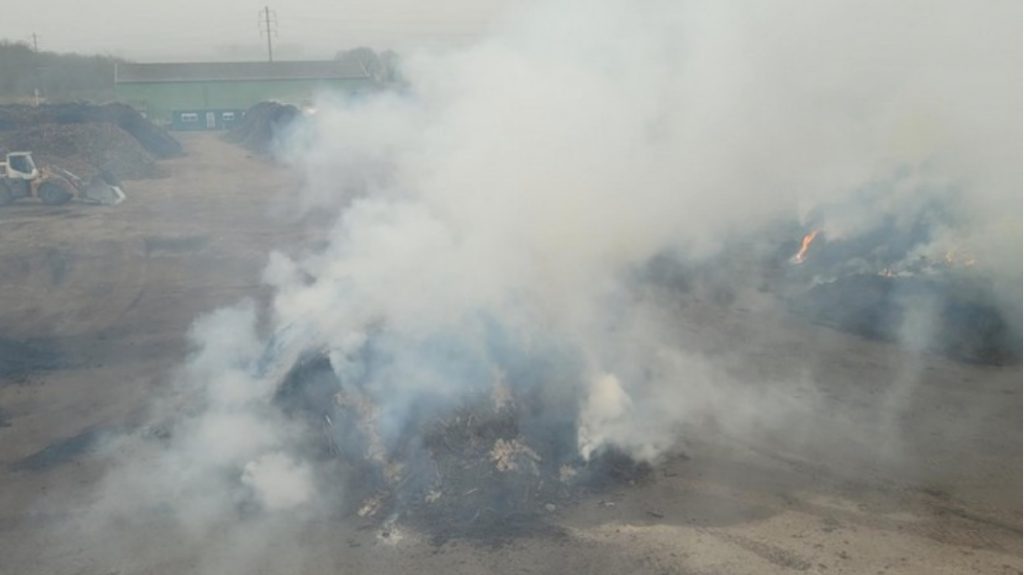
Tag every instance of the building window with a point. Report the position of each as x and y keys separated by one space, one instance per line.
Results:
x=190 y=118
x=228 y=116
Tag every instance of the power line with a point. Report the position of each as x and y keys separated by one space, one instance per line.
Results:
x=264 y=21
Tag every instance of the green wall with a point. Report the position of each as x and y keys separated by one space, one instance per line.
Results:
x=159 y=99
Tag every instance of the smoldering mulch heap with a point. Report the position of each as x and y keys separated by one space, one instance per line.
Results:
x=957 y=317
x=489 y=469
x=875 y=286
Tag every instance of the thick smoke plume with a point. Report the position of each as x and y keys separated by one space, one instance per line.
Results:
x=498 y=220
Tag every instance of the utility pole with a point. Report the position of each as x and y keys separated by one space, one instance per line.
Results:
x=35 y=62
x=265 y=21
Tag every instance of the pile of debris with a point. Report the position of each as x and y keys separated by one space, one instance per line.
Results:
x=491 y=468
x=262 y=125
x=151 y=137
x=953 y=317
x=881 y=284
x=84 y=149
x=112 y=140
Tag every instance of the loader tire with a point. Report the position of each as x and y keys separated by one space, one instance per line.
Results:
x=53 y=194
x=6 y=197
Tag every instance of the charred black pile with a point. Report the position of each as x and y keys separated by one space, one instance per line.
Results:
x=954 y=318
x=261 y=126
x=889 y=282
x=490 y=468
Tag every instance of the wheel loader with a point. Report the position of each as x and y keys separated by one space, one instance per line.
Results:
x=20 y=178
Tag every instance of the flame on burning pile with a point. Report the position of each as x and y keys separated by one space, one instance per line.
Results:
x=801 y=256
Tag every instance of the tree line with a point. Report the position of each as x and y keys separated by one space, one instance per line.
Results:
x=58 y=77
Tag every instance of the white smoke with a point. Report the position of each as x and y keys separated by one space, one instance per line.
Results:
x=280 y=482
x=607 y=405
x=526 y=177
x=517 y=186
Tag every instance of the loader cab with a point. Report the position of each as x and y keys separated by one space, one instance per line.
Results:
x=21 y=167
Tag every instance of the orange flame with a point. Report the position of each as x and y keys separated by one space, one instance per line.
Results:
x=800 y=256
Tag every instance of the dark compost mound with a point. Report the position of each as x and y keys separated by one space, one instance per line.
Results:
x=84 y=149
x=261 y=126
x=934 y=314
x=151 y=137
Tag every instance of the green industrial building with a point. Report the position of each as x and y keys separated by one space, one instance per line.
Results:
x=214 y=95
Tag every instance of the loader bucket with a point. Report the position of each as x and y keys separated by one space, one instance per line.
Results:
x=98 y=192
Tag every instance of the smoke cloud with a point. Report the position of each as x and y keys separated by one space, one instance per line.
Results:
x=497 y=220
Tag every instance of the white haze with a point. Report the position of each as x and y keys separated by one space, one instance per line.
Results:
x=229 y=30
x=521 y=181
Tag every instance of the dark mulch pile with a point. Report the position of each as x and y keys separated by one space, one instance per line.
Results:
x=84 y=149
x=262 y=125
x=934 y=314
x=112 y=140
x=151 y=137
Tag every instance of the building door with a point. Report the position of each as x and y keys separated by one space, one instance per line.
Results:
x=211 y=120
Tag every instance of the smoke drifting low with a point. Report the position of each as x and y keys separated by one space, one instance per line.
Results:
x=497 y=222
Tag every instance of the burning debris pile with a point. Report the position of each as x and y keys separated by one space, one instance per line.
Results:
x=465 y=347
x=490 y=467
x=112 y=140
x=892 y=284
x=262 y=125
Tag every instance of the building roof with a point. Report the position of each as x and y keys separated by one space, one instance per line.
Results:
x=128 y=72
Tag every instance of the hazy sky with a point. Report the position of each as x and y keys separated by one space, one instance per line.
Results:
x=150 y=30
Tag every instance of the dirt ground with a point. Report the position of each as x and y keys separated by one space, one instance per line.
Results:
x=96 y=303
